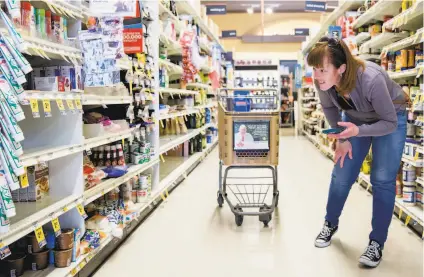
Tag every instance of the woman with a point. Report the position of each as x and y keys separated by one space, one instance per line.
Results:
x=360 y=97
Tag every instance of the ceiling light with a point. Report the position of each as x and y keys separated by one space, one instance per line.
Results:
x=269 y=10
x=250 y=10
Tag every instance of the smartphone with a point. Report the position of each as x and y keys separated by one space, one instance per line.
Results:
x=333 y=130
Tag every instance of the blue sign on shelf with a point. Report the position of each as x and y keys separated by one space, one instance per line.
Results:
x=229 y=34
x=216 y=9
x=315 y=6
x=301 y=32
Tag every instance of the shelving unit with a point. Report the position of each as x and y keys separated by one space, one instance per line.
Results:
x=377 y=12
x=381 y=40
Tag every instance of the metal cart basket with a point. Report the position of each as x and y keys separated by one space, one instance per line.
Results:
x=248 y=121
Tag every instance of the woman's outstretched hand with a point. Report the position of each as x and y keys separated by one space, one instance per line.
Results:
x=351 y=131
x=342 y=149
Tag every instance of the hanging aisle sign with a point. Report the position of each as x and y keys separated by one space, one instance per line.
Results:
x=315 y=6
x=229 y=34
x=216 y=9
x=301 y=32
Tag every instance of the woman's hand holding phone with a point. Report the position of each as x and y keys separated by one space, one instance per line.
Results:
x=342 y=149
x=351 y=131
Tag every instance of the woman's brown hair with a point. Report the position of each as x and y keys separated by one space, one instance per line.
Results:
x=337 y=53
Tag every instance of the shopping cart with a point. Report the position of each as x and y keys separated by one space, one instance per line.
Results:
x=248 y=122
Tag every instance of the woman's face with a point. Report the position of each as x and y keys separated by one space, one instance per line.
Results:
x=327 y=76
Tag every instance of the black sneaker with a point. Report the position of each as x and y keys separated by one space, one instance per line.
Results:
x=324 y=238
x=372 y=255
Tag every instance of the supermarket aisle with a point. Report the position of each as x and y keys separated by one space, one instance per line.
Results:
x=190 y=236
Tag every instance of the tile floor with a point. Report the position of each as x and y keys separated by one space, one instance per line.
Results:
x=189 y=236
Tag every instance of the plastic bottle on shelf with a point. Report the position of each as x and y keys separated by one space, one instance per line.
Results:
x=114 y=156
x=40 y=20
x=48 y=23
x=101 y=161
x=108 y=160
x=409 y=195
x=121 y=159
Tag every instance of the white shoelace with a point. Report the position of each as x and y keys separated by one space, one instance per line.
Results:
x=325 y=232
x=372 y=251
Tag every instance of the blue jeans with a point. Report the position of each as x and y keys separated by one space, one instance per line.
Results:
x=387 y=154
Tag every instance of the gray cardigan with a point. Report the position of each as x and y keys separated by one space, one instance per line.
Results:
x=373 y=96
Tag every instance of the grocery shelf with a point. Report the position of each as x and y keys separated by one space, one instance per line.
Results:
x=164 y=11
x=185 y=7
x=88 y=99
x=183 y=169
x=414 y=212
x=172 y=46
x=411 y=19
x=381 y=40
x=362 y=37
x=369 y=57
x=109 y=184
x=404 y=42
x=51 y=95
x=410 y=73
x=171 y=67
x=31 y=214
x=43 y=154
x=107 y=138
x=332 y=17
x=412 y=161
x=177 y=91
x=377 y=12
x=199 y=86
x=64 y=8
x=167 y=143
x=178 y=114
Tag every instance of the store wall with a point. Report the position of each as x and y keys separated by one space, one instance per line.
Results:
x=281 y=23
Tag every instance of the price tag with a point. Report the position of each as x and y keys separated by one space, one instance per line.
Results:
x=420 y=71
x=47 y=108
x=71 y=107
x=161 y=124
x=166 y=192
x=82 y=264
x=4 y=252
x=39 y=235
x=56 y=227
x=74 y=271
x=162 y=196
x=408 y=218
x=417 y=155
x=78 y=105
x=369 y=186
x=81 y=211
x=23 y=179
x=400 y=213
x=162 y=158
x=65 y=209
x=61 y=106
x=34 y=108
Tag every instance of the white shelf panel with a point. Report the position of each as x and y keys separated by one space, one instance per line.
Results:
x=88 y=99
x=108 y=138
x=177 y=91
x=43 y=154
x=362 y=37
x=51 y=95
x=405 y=41
x=204 y=46
x=381 y=40
x=64 y=8
x=310 y=98
x=369 y=57
x=167 y=143
x=171 y=67
x=411 y=161
x=377 y=12
x=29 y=214
x=185 y=7
x=411 y=19
x=172 y=46
x=109 y=184
x=332 y=17
x=415 y=212
x=410 y=73
x=192 y=110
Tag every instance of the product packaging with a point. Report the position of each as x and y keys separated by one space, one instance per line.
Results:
x=73 y=77
x=16 y=146
x=14 y=161
x=52 y=71
x=40 y=21
x=50 y=83
x=14 y=9
x=23 y=63
x=17 y=88
x=16 y=37
x=38 y=178
x=76 y=246
x=11 y=100
x=6 y=201
x=11 y=123
x=48 y=23
x=4 y=221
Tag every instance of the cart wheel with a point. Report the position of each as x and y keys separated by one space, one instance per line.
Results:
x=239 y=218
x=220 y=200
x=265 y=219
x=278 y=197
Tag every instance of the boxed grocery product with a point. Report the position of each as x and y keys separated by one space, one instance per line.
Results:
x=38 y=179
x=15 y=195
x=73 y=77
x=49 y=83
x=23 y=195
x=52 y=71
x=76 y=252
